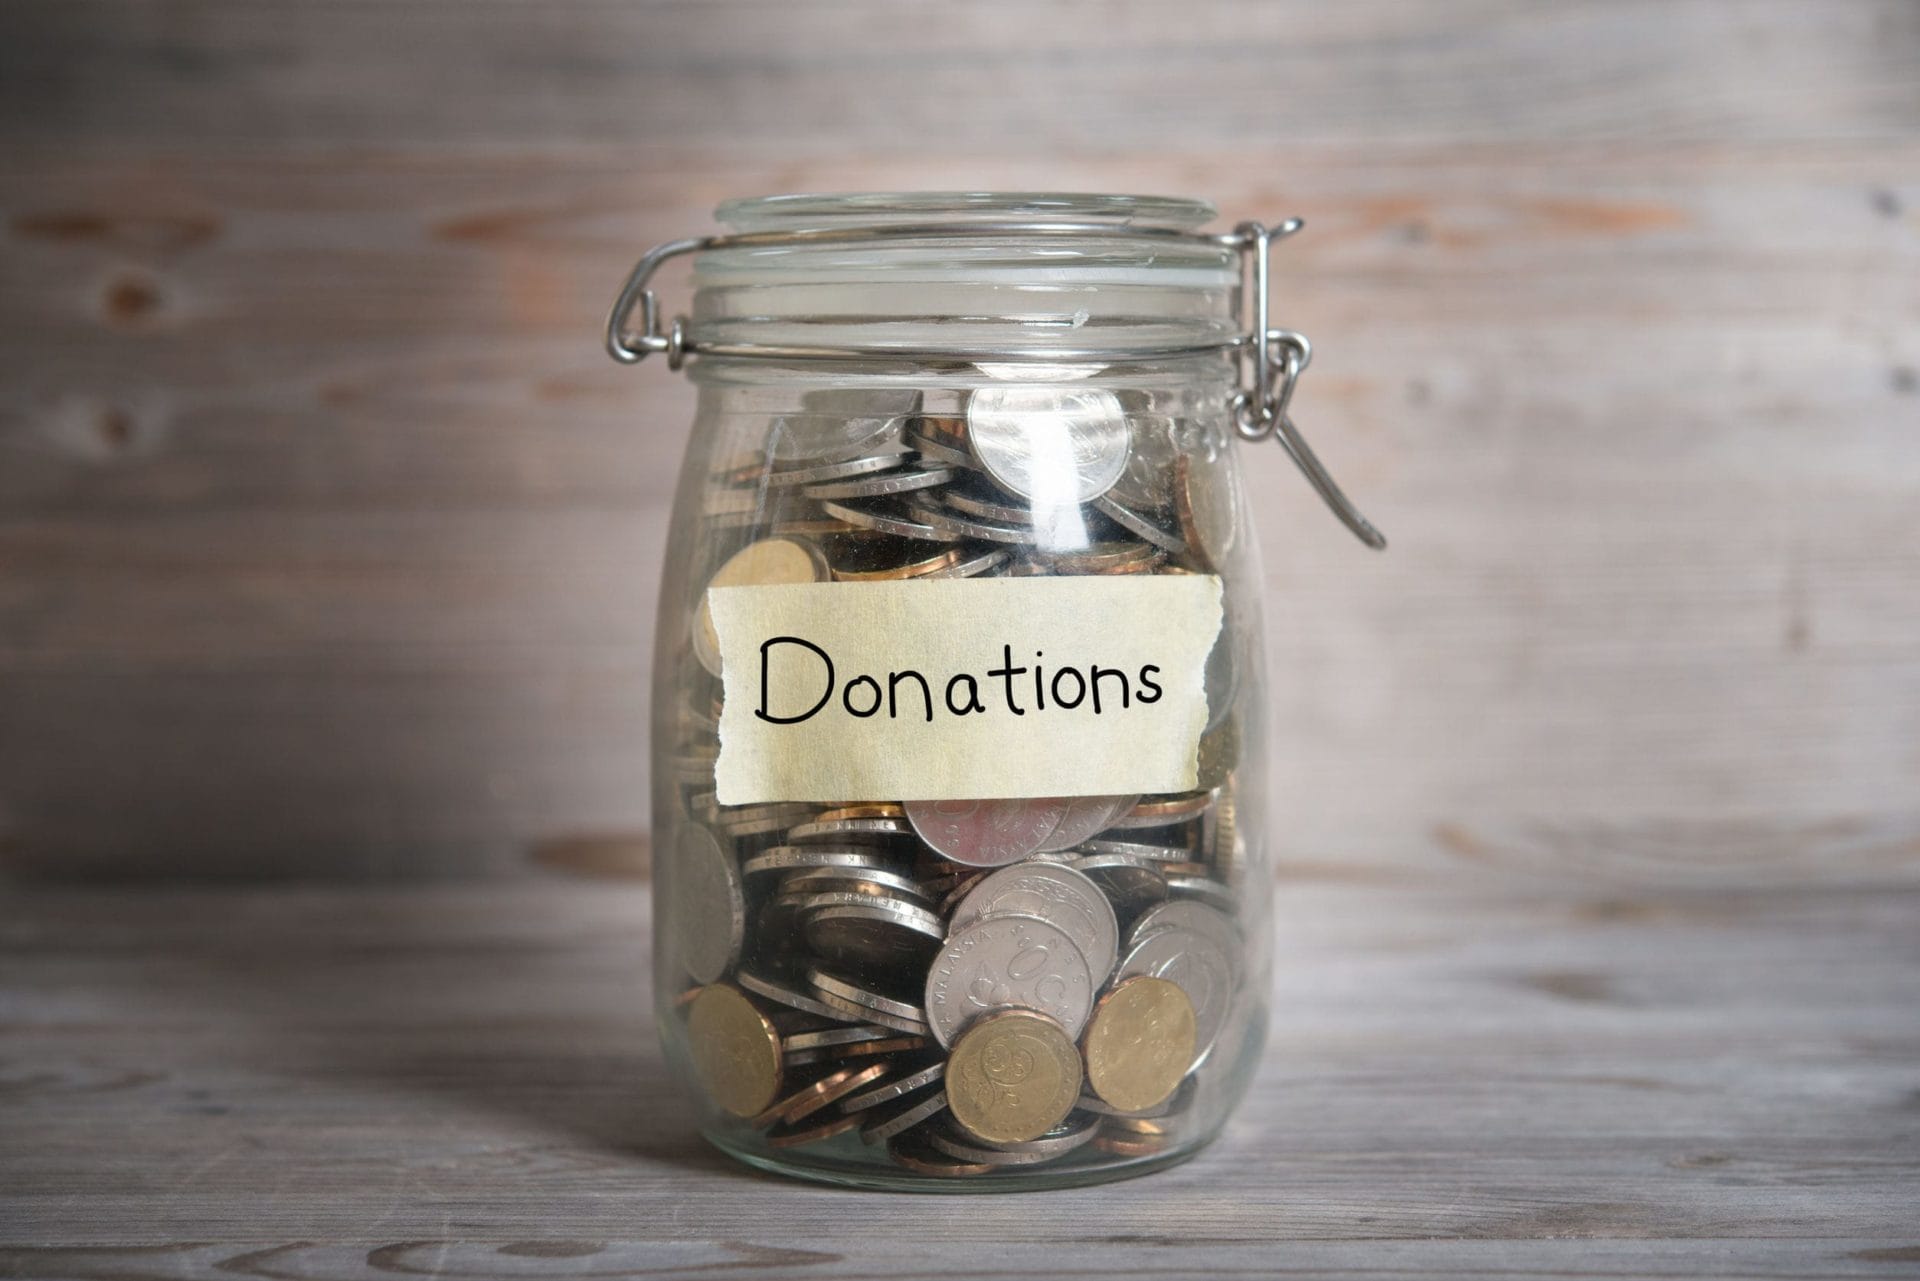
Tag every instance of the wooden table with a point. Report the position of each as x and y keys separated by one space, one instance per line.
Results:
x=462 y=1081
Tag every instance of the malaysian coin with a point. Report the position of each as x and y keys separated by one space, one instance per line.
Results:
x=1203 y=889
x=1126 y=1143
x=957 y=526
x=810 y=1098
x=1132 y=883
x=706 y=909
x=1139 y=849
x=1103 y=558
x=863 y=809
x=1205 y=500
x=869 y=930
x=939 y=454
x=1055 y=894
x=840 y=829
x=1163 y=811
x=1059 y=446
x=840 y=422
x=793 y=998
x=1070 y=1134
x=988 y=508
x=857 y=1001
x=892 y=1119
x=1012 y=1076
x=914 y=1153
x=795 y=477
x=786 y=858
x=747 y=820
x=1197 y=918
x=1140 y=1043
x=986 y=833
x=767 y=562
x=1147 y=482
x=898 y=1088
x=887 y=519
x=735 y=1050
x=1219 y=752
x=1153 y=525
x=1205 y=971
x=1003 y=961
x=974 y=566
x=900 y=482
x=882 y=558
x=872 y=881
x=1179 y=1101
x=792 y=1135
x=831 y=1037
x=1086 y=816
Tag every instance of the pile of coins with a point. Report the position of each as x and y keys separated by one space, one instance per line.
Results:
x=975 y=985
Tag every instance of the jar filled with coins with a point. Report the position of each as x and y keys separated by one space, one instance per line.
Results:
x=959 y=771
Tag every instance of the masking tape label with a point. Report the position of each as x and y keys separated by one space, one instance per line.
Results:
x=963 y=688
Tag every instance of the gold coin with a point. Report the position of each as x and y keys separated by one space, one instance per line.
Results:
x=1207 y=502
x=809 y=1099
x=769 y=561
x=862 y=809
x=735 y=1048
x=944 y=558
x=1140 y=1043
x=1012 y=1077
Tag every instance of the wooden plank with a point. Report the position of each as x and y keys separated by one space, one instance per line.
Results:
x=994 y=76
x=455 y=1080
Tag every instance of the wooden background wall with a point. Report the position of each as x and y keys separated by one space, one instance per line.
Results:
x=329 y=538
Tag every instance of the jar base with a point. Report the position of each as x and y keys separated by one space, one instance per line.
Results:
x=857 y=1168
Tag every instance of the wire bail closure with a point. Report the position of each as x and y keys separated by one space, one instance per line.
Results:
x=1271 y=360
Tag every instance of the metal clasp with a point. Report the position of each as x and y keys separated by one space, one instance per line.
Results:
x=1276 y=358
x=1271 y=360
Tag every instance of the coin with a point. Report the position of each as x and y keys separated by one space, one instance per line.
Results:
x=1146 y=484
x=1205 y=971
x=1124 y=1143
x=986 y=833
x=1086 y=816
x=1055 y=445
x=884 y=518
x=1196 y=917
x=884 y=558
x=1052 y=893
x=865 y=809
x=1161 y=811
x=1002 y=961
x=840 y=422
x=1131 y=883
x=706 y=912
x=899 y=482
x=795 y=477
x=875 y=933
x=863 y=1002
x=1012 y=1076
x=914 y=1153
x=1178 y=1102
x=879 y=882
x=858 y=830
x=1205 y=500
x=769 y=561
x=810 y=1098
x=1139 y=849
x=898 y=1087
x=829 y=1037
x=1140 y=1042
x=783 y=858
x=1203 y=889
x=1155 y=526
x=735 y=1050
x=1051 y=1146
x=792 y=997
x=892 y=1119
x=750 y=820
x=792 y=1135
x=972 y=567
x=955 y=525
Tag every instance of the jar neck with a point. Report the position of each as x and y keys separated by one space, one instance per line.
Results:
x=1023 y=277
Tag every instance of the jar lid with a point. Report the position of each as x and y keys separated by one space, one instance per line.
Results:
x=878 y=208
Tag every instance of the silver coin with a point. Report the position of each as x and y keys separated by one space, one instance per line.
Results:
x=830 y=985
x=792 y=997
x=898 y=1088
x=840 y=828
x=1139 y=849
x=1203 y=890
x=985 y=563
x=1201 y=968
x=871 y=881
x=786 y=858
x=932 y=451
x=889 y=1121
x=826 y=1038
x=1000 y=962
x=903 y=482
x=1133 y=884
x=1056 y=445
x=957 y=526
x=1146 y=484
x=868 y=930
x=750 y=820
x=986 y=833
x=971 y=504
x=840 y=422
x=1057 y=895
x=799 y=476
x=1075 y=1132
x=1198 y=918
x=706 y=907
x=1087 y=816
x=1143 y=524
x=886 y=520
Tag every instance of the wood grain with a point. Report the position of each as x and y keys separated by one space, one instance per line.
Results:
x=461 y=1081
x=328 y=536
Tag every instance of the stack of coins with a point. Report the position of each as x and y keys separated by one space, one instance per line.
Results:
x=975 y=985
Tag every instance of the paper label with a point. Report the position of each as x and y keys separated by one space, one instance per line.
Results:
x=963 y=688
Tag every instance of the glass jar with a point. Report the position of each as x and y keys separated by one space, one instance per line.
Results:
x=959 y=752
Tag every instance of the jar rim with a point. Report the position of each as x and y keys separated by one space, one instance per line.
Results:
x=823 y=209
